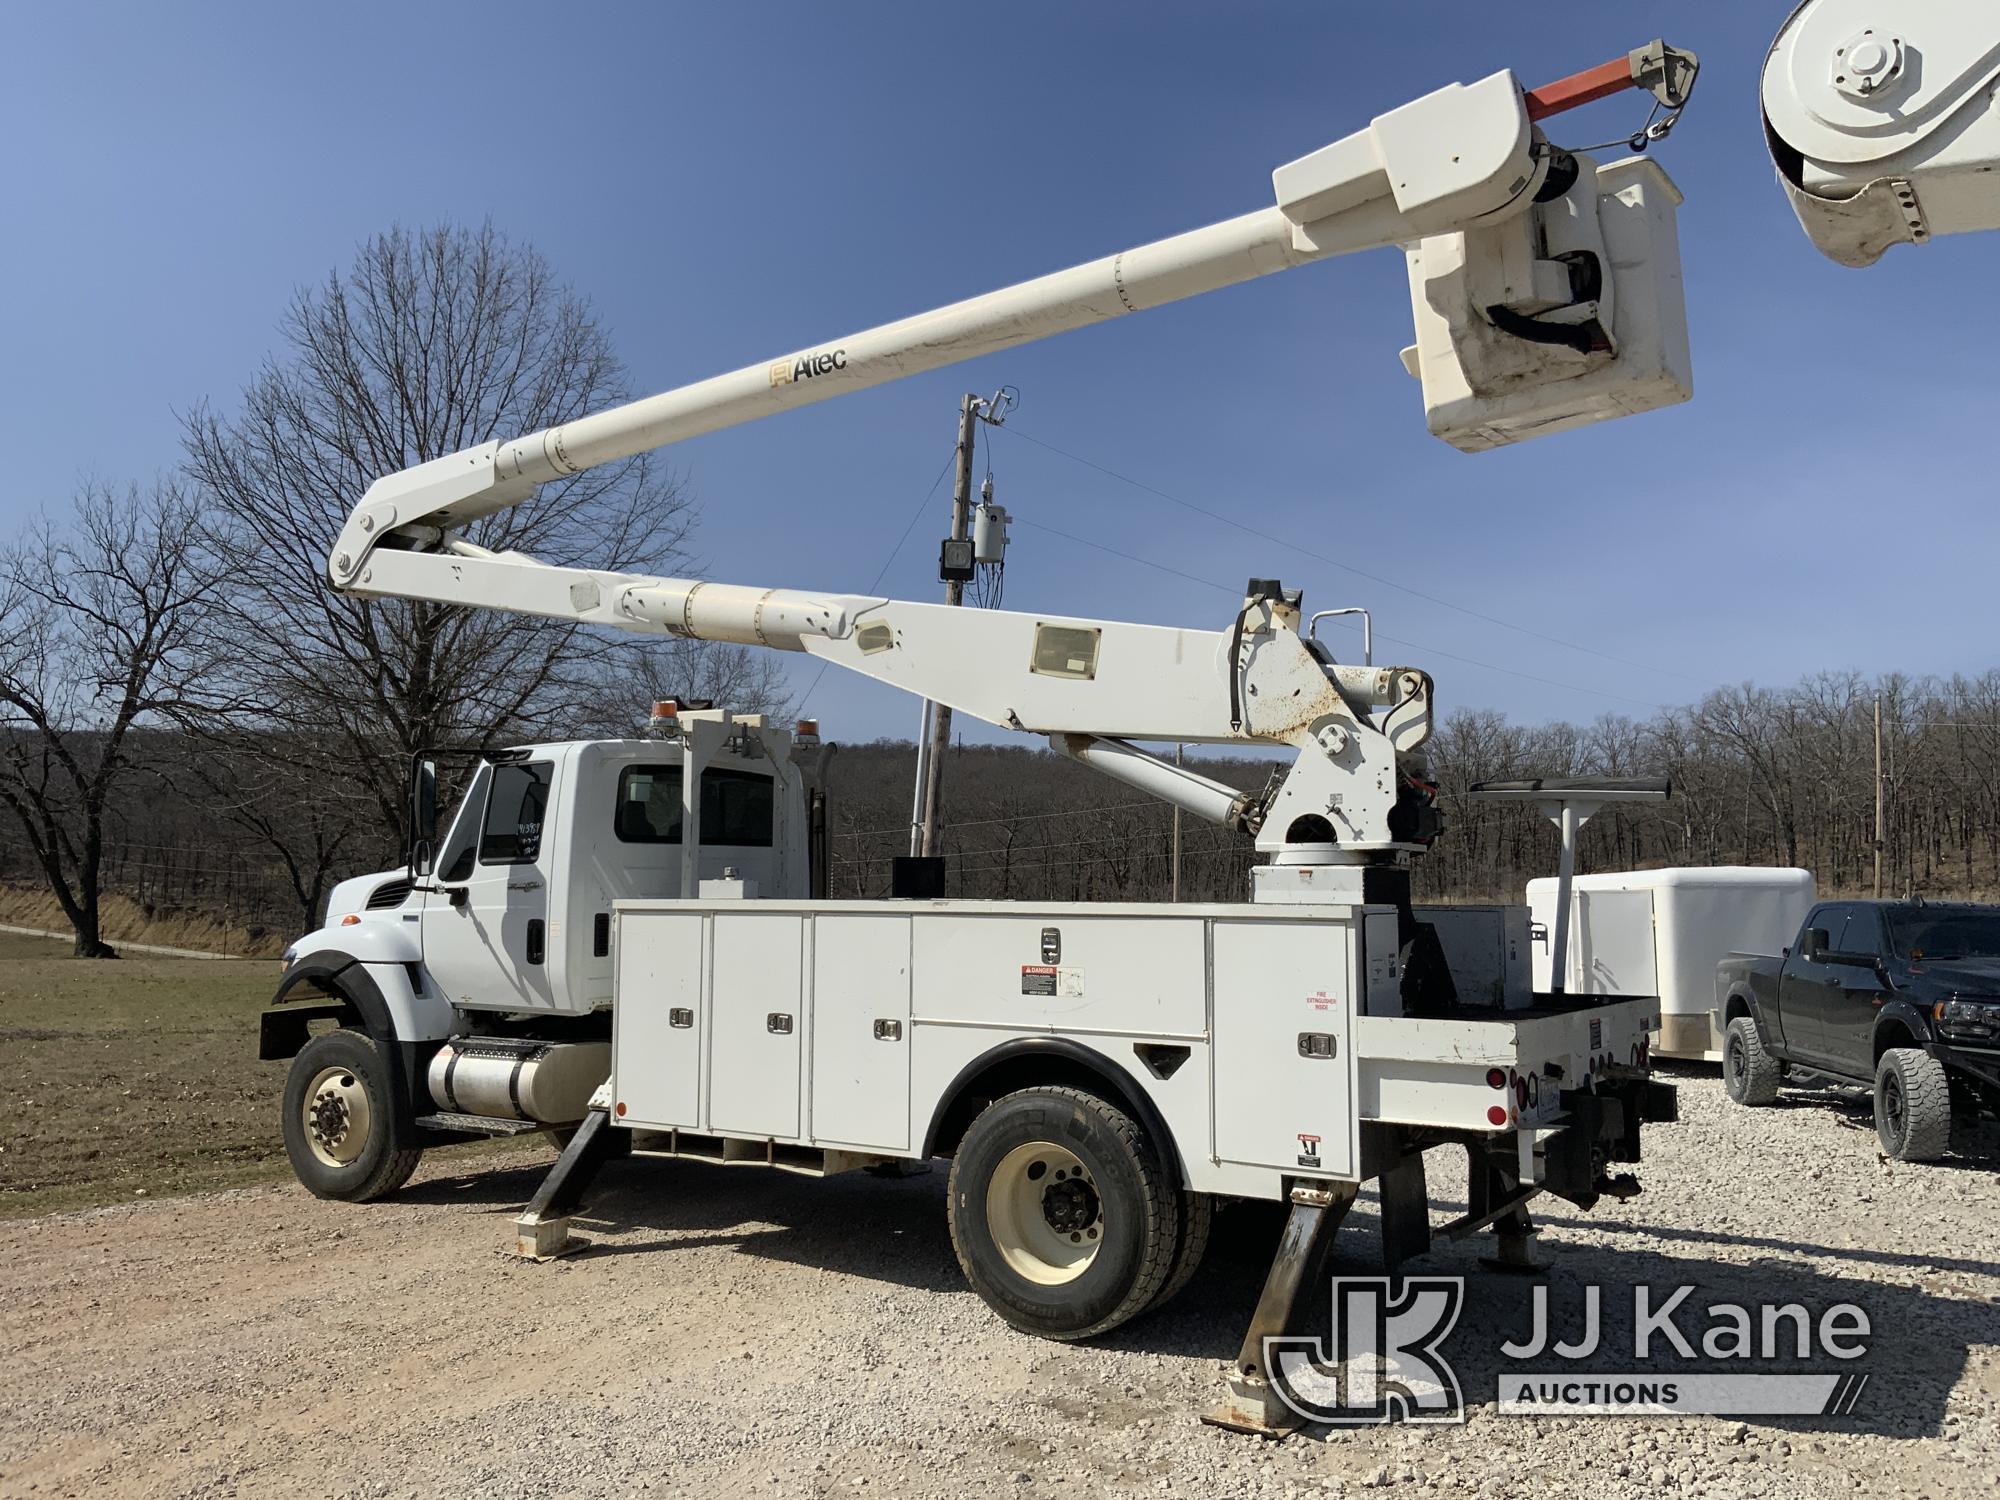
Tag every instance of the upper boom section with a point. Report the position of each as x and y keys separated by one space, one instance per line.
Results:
x=1545 y=297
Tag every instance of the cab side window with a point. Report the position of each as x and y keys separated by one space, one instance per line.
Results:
x=1863 y=935
x=649 y=805
x=738 y=809
x=514 y=812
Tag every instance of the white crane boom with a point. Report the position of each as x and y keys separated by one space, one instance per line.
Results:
x=1546 y=293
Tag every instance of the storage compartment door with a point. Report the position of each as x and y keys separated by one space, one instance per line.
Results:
x=659 y=1022
x=1285 y=994
x=1611 y=947
x=758 y=1024
x=861 y=1031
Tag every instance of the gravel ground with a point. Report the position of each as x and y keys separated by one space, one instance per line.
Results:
x=740 y=1332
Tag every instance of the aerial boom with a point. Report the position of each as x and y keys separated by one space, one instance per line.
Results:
x=1519 y=233
x=1545 y=291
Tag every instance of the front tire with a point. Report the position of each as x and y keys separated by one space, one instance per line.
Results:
x=1749 y=1073
x=342 y=1119
x=1062 y=1213
x=1912 y=1105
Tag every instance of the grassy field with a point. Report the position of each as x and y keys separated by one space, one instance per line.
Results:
x=128 y=1078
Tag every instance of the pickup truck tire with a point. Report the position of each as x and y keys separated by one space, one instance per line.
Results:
x=1062 y=1213
x=1912 y=1105
x=1749 y=1073
x=341 y=1120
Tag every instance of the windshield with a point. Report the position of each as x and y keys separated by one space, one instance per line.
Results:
x=1919 y=933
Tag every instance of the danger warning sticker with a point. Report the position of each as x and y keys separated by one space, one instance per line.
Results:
x=1048 y=979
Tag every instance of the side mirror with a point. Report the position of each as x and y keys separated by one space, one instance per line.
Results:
x=423 y=809
x=1812 y=946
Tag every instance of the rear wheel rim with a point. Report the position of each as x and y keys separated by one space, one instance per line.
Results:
x=336 y=1117
x=1044 y=1213
x=1738 y=1064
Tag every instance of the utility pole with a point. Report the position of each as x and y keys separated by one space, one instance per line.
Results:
x=1180 y=759
x=1878 y=796
x=954 y=593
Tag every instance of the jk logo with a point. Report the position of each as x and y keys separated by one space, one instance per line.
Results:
x=1384 y=1362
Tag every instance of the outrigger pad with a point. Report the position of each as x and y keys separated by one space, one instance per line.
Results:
x=541 y=1233
x=1253 y=1404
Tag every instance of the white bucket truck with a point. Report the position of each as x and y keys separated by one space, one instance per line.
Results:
x=644 y=916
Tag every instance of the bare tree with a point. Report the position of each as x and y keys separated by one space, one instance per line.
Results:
x=105 y=626
x=285 y=797
x=432 y=342
x=632 y=679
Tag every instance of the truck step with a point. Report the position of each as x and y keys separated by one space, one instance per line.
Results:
x=480 y=1124
x=809 y=1161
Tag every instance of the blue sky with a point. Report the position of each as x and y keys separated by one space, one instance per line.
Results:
x=729 y=183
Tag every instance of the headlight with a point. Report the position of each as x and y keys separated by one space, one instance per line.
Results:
x=1973 y=1018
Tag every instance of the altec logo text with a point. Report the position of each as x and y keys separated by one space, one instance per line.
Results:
x=806 y=366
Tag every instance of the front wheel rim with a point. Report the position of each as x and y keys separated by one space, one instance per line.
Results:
x=1892 y=1106
x=336 y=1116
x=1044 y=1213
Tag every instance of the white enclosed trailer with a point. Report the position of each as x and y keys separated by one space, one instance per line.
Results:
x=1660 y=933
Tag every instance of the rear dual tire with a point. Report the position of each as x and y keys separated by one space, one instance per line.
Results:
x=1065 y=1219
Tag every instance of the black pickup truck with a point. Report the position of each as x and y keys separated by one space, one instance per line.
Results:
x=1901 y=996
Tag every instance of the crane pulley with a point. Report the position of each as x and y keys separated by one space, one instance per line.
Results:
x=1882 y=121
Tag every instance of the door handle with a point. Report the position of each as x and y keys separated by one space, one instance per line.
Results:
x=524 y=885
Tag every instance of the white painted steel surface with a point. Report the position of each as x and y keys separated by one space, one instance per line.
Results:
x=656 y=1064
x=756 y=972
x=1882 y=121
x=861 y=1072
x=1275 y=980
x=1236 y=986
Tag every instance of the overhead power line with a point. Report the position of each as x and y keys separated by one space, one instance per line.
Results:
x=1347 y=567
x=887 y=563
x=1235 y=592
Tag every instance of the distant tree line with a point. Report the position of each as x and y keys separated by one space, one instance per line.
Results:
x=1760 y=776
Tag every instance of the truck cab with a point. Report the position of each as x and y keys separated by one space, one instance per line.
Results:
x=1900 y=996
x=517 y=916
x=479 y=975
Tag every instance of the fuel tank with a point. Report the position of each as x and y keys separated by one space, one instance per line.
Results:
x=518 y=1078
